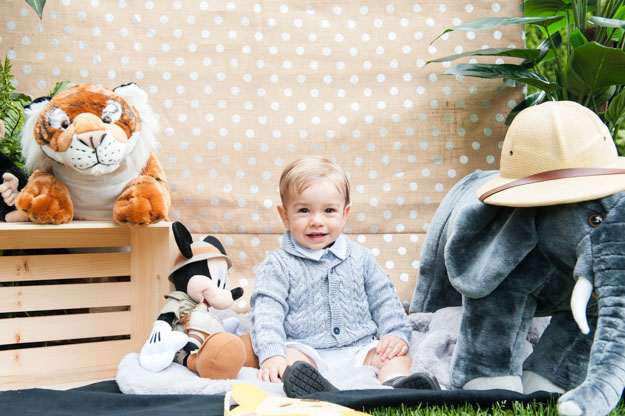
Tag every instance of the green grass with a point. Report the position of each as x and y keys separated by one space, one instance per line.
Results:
x=514 y=409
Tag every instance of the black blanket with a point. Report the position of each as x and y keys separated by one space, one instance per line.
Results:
x=104 y=398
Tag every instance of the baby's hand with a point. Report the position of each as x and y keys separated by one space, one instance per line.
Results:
x=390 y=347
x=272 y=369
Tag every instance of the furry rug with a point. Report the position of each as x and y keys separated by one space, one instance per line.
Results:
x=433 y=340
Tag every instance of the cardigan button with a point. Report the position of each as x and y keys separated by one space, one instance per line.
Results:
x=336 y=330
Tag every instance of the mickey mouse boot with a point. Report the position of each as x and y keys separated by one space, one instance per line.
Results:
x=221 y=356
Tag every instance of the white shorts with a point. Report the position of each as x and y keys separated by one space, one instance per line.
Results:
x=335 y=358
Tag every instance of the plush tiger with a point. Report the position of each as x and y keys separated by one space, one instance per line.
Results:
x=91 y=151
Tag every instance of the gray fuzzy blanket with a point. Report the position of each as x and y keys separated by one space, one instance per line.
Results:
x=433 y=340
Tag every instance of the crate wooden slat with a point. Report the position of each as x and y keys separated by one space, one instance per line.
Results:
x=63 y=266
x=76 y=234
x=60 y=327
x=53 y=297
x=37 y=367
x=98 y=306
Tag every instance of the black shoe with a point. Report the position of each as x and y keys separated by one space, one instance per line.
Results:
x=301 y=378
x=417 y=381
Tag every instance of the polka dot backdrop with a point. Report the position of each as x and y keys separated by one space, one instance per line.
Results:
x=242 y=88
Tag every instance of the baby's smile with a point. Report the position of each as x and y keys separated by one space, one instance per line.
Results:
x=316 y=235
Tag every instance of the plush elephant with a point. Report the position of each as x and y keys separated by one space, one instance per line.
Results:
x=539 y=237
x=506 y=265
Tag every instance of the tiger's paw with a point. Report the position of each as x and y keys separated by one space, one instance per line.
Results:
x=141 y=203
x=46 y=201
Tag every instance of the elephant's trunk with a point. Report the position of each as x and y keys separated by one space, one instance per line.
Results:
x=601 y=259
x=605 y=379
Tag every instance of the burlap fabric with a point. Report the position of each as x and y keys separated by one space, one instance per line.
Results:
x=244 y=87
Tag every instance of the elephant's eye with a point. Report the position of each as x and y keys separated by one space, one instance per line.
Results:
x=595 y=220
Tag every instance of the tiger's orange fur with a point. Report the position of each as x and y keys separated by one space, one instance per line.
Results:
x=92 y=151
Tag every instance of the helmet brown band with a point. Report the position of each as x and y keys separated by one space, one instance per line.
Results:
x=553 y=175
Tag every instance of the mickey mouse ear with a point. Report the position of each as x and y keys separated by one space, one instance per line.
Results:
x=215 y=242
x=183 y=239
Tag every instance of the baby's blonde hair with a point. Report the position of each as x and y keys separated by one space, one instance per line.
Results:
x=302 y=173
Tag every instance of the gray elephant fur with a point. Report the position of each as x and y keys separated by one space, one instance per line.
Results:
x=506 y=265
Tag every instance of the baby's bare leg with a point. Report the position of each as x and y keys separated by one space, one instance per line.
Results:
x=395 y=372
x=293 y=355
x=395 y=367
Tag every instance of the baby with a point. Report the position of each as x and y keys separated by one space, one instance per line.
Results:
x=320 y=299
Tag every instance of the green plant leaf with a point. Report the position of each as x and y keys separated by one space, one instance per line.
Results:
x=532 y=99
x=546 y=52
x=577 y=39
x=485 y=23
x=58 y=87
x=601 y=98
x=13 y=120
x=504 y=71
x=612 y=26
x=593 y=68
x=21 y=99
x=530 y=54
x=534 y=8
x=37 y=6
x=616 y=110
x=545 y=7
x=619 y=13
x=605 y=22
x=619 y=140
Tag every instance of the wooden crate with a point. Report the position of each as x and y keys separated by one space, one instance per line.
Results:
x=68 y=319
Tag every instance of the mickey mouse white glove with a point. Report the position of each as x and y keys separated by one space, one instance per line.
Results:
x=8 y=188
x=159 y=350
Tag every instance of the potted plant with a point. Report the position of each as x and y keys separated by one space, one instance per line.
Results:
x=585 y=41
x=11 y=114
x=12 y=106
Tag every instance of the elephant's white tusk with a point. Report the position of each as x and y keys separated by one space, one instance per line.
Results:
x=579 y=300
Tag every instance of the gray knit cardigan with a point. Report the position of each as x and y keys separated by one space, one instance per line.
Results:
x=329 y=303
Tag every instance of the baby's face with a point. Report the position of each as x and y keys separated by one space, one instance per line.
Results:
x=317 y=216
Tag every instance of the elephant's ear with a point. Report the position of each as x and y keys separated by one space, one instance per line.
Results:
x=471 y=246
x=485 y=244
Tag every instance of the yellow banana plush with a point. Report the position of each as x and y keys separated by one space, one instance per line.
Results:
x=247 y=400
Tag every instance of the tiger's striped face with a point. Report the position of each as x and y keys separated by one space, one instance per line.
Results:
x=88 y=128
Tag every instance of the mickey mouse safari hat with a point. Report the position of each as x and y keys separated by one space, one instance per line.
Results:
x=556 y=152
x=200 y=250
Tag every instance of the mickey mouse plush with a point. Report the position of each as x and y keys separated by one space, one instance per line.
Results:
x=186 y=331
